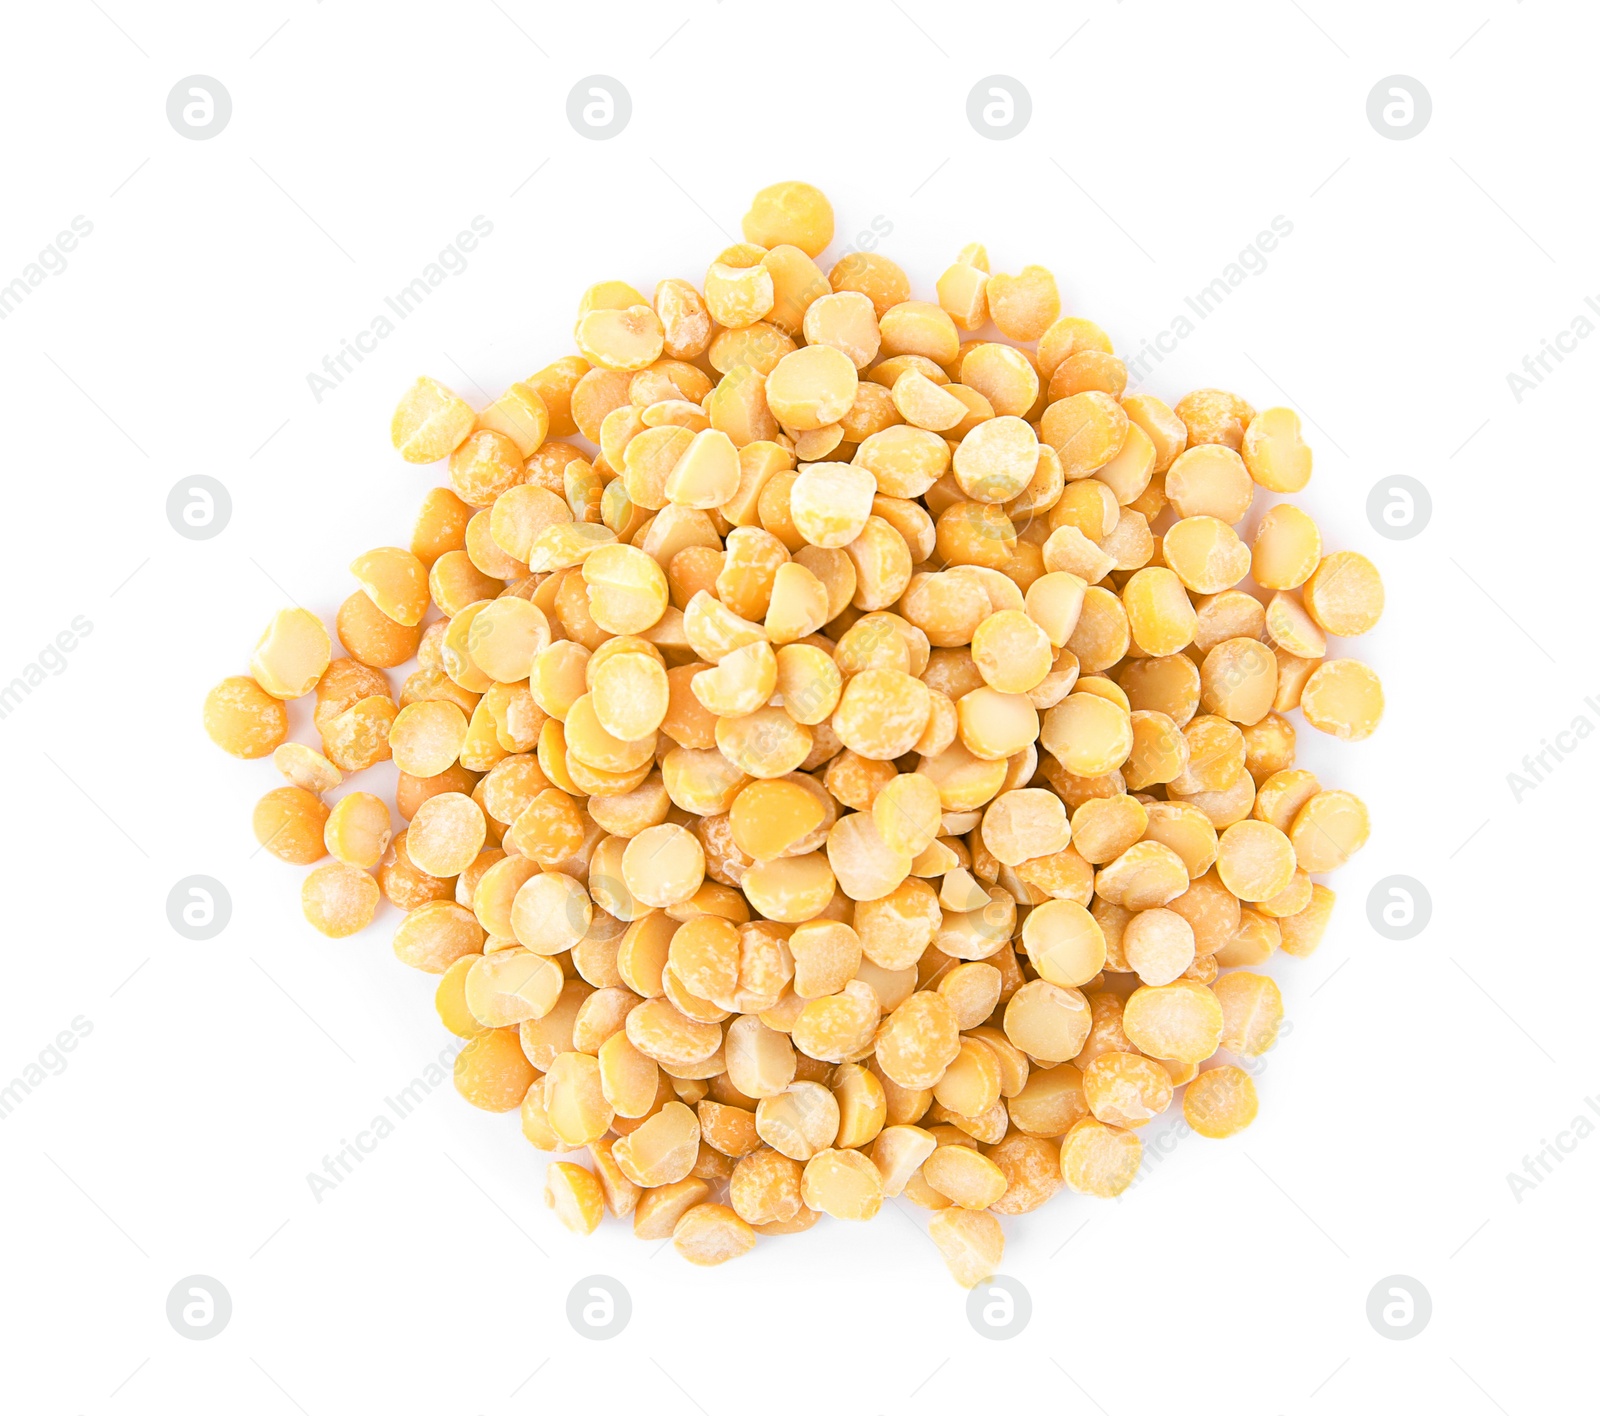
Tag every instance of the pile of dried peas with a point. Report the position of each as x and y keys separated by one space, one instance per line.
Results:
x=728 y=829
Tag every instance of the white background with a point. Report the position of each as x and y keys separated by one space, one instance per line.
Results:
x=1234 y=1276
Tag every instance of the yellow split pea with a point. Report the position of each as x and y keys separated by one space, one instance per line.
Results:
x=845 y=757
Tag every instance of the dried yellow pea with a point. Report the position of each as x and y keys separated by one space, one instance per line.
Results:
x=776 y=777
x=1220 y=1102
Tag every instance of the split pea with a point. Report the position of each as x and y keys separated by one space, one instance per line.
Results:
x=839 y=777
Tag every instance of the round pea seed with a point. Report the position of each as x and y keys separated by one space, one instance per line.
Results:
x=1127 y=1090
x=1012 y=651
x=1047 y=1021
x=1287 y=548
x=1274 y=452
x=1064 y=943
x=1252 y=1009
x=970 y=1241
x=338 y=899
x=243 y=719
x=425 y=738
x=794 y=213
x=1343 y=697
x=800 y=1121
x=446 y=834
x=1181 y=1021
x=289 y=824
x=1220 y=1102
x=1159 y=945
x=550 y=912
x=435 y=934
x=1099 y=1160
x=492 y=1073
x=430 y=422
x=1330 y=828
x=1087 y=734
x=711 y=1234
x=292 y=654
x=663 y=865
x=511 y=986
